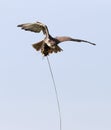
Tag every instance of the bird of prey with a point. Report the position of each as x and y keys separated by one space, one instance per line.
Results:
x=49 y=44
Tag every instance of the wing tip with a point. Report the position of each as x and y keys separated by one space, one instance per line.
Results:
x=20 y=25
x=92 y=43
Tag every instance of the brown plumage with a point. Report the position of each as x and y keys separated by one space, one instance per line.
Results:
x=49 y=44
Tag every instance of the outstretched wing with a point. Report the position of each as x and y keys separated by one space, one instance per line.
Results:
x=65 y=38
x=34 y=27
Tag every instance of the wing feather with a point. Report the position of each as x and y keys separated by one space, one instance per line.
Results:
x=33 y=27
x=65 y=38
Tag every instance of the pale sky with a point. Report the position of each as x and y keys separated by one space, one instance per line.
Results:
x=82 y=72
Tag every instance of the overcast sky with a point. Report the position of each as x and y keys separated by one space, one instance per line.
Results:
x=82 y=72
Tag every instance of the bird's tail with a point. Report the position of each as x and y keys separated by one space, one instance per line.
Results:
x=45 y=49
x=57 y=49
x=38 y=45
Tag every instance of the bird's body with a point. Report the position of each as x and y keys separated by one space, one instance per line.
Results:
x=49 y=44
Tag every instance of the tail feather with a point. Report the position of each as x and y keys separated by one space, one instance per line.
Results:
x=38 y=45
x=45 y=49
x=57 y=49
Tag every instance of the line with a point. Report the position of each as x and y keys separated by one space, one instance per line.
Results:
x=55 y=88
